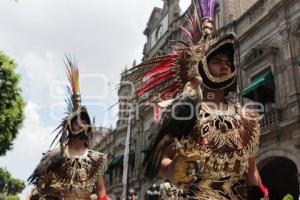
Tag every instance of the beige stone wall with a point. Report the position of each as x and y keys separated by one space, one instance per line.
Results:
x=233 y=9
x=271 y=26
x=244 y=5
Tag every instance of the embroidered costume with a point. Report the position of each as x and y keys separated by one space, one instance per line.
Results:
x=212 y=147
x=216 y=154
x=61 y=175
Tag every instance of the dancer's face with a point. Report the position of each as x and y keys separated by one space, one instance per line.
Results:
x=77 y=125
x=219 y=65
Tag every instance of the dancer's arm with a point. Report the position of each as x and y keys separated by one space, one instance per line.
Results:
x=166 y=162
x=253 y=176
x=254 y=179
x=101 y=191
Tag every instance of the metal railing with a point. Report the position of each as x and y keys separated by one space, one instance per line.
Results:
x=270 y=119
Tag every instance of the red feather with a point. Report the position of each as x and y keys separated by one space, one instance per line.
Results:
x=169 y=58
x=158 y=70
x=163 y=65
x=188 y=33
x=170 y=92
x=155 y=82
x=158 y=60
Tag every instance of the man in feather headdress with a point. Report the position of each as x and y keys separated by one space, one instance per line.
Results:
x=71 y=171
x=205 y=141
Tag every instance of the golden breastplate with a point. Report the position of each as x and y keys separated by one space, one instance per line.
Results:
x=77 y=176
x=219 y=146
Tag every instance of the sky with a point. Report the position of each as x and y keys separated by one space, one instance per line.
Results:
x=104 y=36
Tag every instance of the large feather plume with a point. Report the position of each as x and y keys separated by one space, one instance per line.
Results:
x=164 y=70
x=193 y=29
x=74 y=89
x=207 y=8
x=199 y=10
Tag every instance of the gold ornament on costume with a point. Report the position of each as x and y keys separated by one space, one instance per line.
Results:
x=219 y=147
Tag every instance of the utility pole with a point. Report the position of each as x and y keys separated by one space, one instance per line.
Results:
x=126 y=157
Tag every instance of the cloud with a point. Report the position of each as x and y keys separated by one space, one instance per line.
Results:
x=105 y=36
x=33 y=139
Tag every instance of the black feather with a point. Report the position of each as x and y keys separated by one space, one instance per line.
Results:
x=50 y=162
x=58 y=134
x=171 y=126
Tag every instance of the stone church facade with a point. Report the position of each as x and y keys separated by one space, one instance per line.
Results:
x=268 y=32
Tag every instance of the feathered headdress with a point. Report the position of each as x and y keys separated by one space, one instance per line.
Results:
x=74 y=109
x=186 y=63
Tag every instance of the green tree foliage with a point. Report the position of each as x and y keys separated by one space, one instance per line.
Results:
x=11 y=103
x=12 y=197
x=15 y=186
x=4 y=178
x=9 y=186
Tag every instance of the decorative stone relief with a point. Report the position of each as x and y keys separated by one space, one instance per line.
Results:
x=256 y=13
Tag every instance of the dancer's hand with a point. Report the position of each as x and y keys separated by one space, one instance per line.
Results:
x=193 y=88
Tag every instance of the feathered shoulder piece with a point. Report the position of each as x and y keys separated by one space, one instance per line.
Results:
x=50 y=162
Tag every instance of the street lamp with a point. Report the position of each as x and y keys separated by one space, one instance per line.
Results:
x=153 y=192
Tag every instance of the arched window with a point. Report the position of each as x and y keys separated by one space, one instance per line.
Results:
x=159 y=32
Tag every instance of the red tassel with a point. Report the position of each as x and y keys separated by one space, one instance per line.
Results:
x=158 y=70
x=156 y=81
